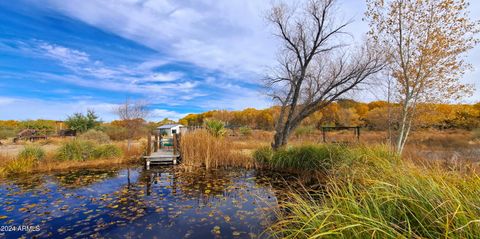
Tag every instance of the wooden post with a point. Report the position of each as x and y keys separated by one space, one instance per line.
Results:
x=149 y=144
x=155 y=144
x=323 y=135
x=358 y=133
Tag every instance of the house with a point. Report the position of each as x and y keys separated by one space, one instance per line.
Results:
x=170 y=129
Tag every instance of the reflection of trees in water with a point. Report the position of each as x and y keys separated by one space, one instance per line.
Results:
x=84 y=177
x=129 y=201
x=204 y=186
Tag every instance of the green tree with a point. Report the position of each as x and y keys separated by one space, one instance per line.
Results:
x=81 y=122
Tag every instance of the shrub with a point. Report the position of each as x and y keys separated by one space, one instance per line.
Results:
x=215 y=127
x=75 y=150
x=107 y=151
x=116 y=132
x=245 y=131
x=96 y=136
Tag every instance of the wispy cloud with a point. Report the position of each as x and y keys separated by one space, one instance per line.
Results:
x=229 y=36
x=86 y=72
x=159 y=114
x=66 y=55
x=27 y=108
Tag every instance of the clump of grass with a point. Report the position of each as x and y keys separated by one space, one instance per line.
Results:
x=95 y=136
x=25 y=162
x=263 y=155
x=372 y=194
x=81 y=150
x=308 y=157
x=76 y=150
x=215 y=127
x=318 y=157
x=107 y=151
x=201 y=148
x=32 y=152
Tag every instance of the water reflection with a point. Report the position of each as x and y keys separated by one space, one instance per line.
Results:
x=134 y=203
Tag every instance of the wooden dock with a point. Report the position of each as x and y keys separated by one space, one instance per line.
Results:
x=162 y=150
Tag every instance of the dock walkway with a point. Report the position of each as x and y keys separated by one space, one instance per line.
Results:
x=162 y=153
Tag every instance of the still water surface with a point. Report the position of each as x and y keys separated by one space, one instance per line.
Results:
x=165 y=202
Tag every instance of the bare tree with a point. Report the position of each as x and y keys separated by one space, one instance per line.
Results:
x=132 y=113
x=315 y=68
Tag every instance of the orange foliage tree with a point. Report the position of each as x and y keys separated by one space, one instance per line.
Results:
x=425 y=42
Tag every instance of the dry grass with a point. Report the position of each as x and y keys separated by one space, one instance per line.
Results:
x=200 y=148
x=9 y=159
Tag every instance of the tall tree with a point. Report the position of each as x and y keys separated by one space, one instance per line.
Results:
x=425 y=42
x=132 y=113
x=315 y=67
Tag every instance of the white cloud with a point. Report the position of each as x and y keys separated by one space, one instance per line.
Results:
x=230 y=36
x=159 y=114
x=66 y=55
x=226 y=36
x=23 y=109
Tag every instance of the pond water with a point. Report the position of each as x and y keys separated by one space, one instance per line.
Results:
x=165 y=202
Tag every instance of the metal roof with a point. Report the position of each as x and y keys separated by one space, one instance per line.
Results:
x=168 y=126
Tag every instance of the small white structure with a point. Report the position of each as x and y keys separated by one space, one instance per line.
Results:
x=170 y=129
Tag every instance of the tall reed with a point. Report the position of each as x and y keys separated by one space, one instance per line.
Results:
x=201 y=148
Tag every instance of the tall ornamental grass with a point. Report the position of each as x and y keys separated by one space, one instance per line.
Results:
x=369 y=194
x=26 y=160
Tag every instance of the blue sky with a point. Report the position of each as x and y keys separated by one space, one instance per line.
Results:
x=60 y=57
